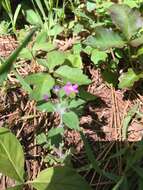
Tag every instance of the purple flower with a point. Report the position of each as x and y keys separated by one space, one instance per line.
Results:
x=69 y=88
x=46 y=97
x=56 y=89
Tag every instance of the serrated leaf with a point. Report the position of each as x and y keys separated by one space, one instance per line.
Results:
x=127 y=19
x=98 y=56
x=11 y=156
x=42 y=82
x=73 y=75
x=71 y=120
x=128 y=79
x=59 y=178
x=105 y=39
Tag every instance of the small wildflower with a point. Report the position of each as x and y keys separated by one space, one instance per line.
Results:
x=46 y=97
x=69 y=88
x=56 y=89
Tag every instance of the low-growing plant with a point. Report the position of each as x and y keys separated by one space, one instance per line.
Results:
x=124 y=47
x=13 y=17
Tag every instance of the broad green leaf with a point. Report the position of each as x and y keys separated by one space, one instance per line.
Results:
x=6 y=66
x=25 y=54
x=11 y=156
x=128 y=79
x=127 y=19
x=46 y=107
x=110 y=76
x=86 y=95
x=73 y=75
x=75 y=60
x=98 y=56
x=57 y=29
x=42 y=82
x=71 y=120
x=32 y=17
x=41 y=138
x=91 y=5
x=44 y=46
x=54 y=59
x=105 y=39
x=41 y=37
x=59 y=178
x=55 y=131
x=76 y=103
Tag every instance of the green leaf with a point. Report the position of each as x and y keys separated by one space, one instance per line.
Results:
x=110 y=76
x=25 y=86
x=128 y=79
x=25 y=54
x=44 y=46
x=76 y=103
x=55 y=58
x=105 y=39
x=132 y=4
x=75 y=60
x=55 y=131
x=127 y=19
x=41 y=138
x=59 y=178
x=11 y=156
x=98 y=56
x=137 y=42
x=73 y=75
x=57 y=29
x=86 y=95
x=42 y=82
x=91 y=5
x=32 y=17
x=71 y=120
x=46 y=107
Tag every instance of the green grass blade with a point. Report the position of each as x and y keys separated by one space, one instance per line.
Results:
x=6 y=66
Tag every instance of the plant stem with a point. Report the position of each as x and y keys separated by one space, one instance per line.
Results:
x=130 y=59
